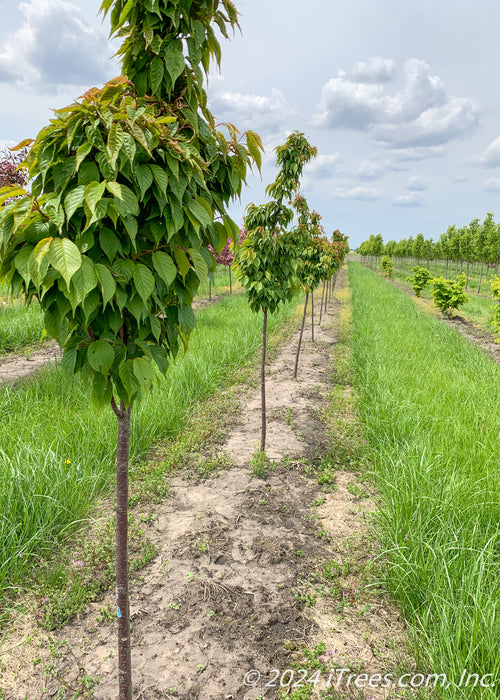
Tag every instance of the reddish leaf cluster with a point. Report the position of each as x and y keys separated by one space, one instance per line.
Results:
x=226 y=256
x=9 y=174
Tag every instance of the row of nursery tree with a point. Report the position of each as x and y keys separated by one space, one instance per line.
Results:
x=472 y=249
x=127 y=203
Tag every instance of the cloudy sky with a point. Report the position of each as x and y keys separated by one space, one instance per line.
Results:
x=402 y=99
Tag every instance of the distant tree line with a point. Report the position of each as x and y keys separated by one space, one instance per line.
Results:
x=473 y=249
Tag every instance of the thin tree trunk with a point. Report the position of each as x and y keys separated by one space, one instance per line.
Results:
x=209 y=290
x=263 y=383
x=480 y=278
x=122 y=595
x=230 y=282
x=300 y=338
x=321 y=305
x=446 y=273
x=312 y=315
x=467 y=274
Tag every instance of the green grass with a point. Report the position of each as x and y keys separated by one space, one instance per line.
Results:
x=57 y=452
x=429 y=401
x=19 y=326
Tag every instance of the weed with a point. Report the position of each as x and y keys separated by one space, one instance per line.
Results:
x=258 y=464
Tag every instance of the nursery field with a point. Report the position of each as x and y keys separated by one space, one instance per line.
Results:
x=367 y=541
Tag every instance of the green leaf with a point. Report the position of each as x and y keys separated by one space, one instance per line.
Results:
x=68 y=361
x=128 y=204
x=186 y=319
x=107 y=283
x=100 y=356
x=144 y=371
x=73 y=200
x=174 y=61
x=144 y=178
x=65 y=257
x=156 y=74
x=199 y=212
x=165 y=267
x=200 y=266
x=115 y=188
x=21 y=262
x=129 y=147
x=41 y=249
x=126 y=372
x=81 y=154
x=182 y=261
x=144 y=281
x=93 y=193
x=115 y=140
x=161 y=177
x=110 y=245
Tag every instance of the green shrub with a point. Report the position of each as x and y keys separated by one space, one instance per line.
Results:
x=386 y=264
x=420 y=279
x=447 y=294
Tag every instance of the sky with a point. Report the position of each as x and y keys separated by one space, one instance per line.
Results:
x=401 y=98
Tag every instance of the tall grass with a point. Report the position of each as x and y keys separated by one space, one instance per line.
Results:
x=430 y=402
x=19 y=326
x=57 y=452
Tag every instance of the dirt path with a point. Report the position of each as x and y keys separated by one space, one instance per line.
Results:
x=17 y=366
x=253 y=574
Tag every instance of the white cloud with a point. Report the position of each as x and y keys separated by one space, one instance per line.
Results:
x=414 y=199
x=492 y=185
x=372 y=170
x=365 y=194
x=54 y=46
x=375 y=70
x=420 y=114
x=323 y=166
x=266 y=114
x=418 y=153
x=415 y=184
x=491 y=156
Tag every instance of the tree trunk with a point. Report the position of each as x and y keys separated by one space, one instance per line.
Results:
x=230 y=282
x=122 y=596
x=467 y=274
x=312 y=315
x=263 y=383
x=321 y=305
x=209 y=290
x=300 y=338
x=480 y=278
x=446 y=273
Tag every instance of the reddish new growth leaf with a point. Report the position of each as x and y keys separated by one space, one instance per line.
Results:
x=226 y=256
x=9 y=162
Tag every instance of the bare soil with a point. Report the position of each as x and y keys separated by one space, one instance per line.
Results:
x=23 y=364
x=252 y=573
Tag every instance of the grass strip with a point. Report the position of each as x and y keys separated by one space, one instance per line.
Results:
x=19 y=326
x=429 y=401
x=57 y=451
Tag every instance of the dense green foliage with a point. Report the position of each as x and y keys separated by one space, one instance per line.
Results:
x=386 y=264
x=266 y=262
x=420 y=279
x=435 y=435
x=113 y=239
x=447 y=294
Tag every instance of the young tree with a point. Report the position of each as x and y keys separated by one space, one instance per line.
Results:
x=420 y=279
x=266 y=262
x=449 y=295
x=386 y=264
x=113 y=239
